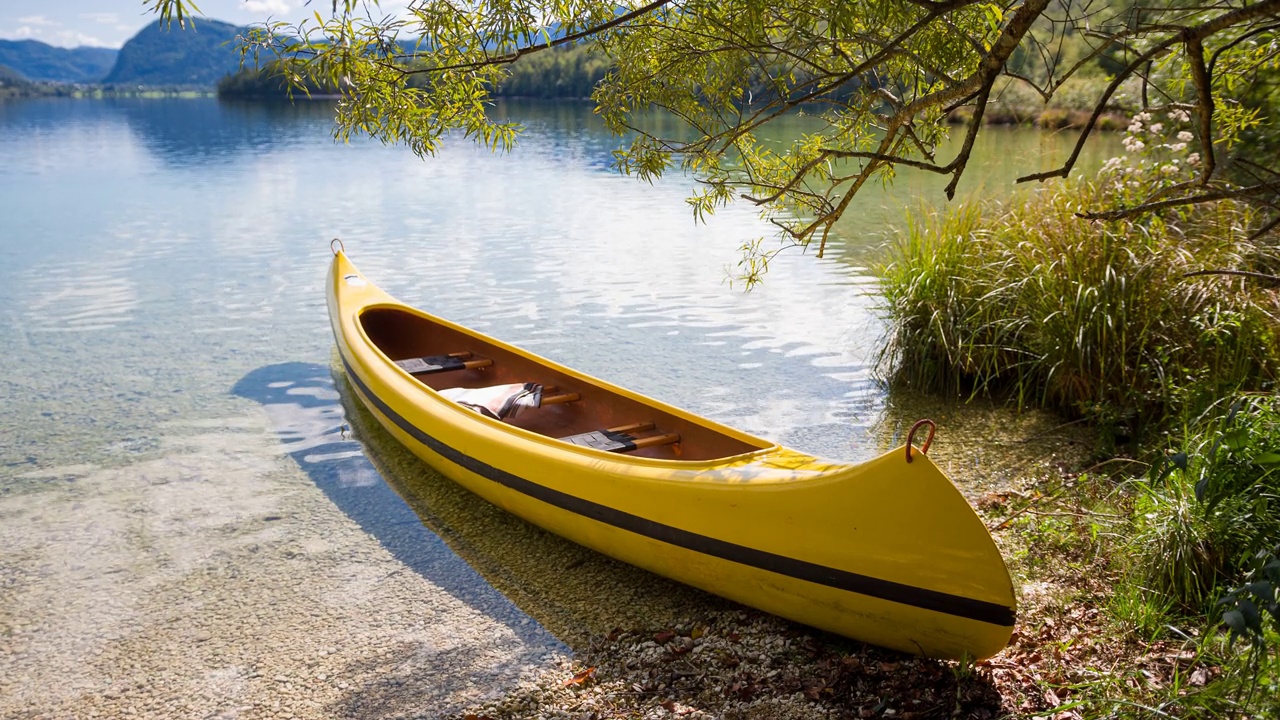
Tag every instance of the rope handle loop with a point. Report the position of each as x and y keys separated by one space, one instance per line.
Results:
x=336 y=246
x=924 y=449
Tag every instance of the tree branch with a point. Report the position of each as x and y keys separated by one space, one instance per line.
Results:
x=1204 y=105
x=1224 y=194
x=1199 y=32
x=511 y=57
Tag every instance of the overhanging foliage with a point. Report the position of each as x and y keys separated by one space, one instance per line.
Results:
x=882 y=76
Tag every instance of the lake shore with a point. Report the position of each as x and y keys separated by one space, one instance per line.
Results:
x=215 y=580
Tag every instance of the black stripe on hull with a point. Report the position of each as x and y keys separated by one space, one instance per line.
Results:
x=956 y=605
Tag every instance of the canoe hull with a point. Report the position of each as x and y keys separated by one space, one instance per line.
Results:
x=887 y=551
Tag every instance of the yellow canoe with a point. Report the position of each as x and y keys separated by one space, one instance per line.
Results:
x=887 y=551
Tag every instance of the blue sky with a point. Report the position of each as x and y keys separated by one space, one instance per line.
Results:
x=108 y=23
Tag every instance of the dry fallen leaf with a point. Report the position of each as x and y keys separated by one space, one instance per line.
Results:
x=1051 y=698
x=581 y=677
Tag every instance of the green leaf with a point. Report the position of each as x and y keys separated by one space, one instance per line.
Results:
x=1252 y=618
x=1262 y=589
x=1235 y=439
x=1201 y=487
x=1268 y=458
x=1235 y=620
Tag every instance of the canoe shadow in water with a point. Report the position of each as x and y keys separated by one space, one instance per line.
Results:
x=440 y=528
x=305 y=409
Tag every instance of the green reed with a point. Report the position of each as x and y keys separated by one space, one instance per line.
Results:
x=1029 y=301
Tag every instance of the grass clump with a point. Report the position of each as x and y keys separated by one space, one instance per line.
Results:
x=1158 y=596
x=1098 y=320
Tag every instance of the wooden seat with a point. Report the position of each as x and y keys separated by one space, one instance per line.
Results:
x=443 y=363
x=553 y=396
x=622 y=439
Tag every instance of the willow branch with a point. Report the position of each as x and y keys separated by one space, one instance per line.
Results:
x=962 y=158
x=988 y=66
x=1199 y=32
x=1225 y=194
x=1275 y=222
x=887 y=159
x=511 y=57
x=1204 y=105
x=1098 y=108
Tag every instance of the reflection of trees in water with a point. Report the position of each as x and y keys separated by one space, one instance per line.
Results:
x=196 y=131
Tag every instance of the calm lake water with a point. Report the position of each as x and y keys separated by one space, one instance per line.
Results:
x=155 y=252
x=162 y=266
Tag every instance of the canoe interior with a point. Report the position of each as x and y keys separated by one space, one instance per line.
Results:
x=401 y=335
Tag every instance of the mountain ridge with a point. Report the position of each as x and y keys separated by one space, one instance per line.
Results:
x=197 y=56
x=41 y=62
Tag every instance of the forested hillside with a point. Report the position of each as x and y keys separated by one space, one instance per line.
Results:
x=198 y=56
x=34 y=60
x=568 y=72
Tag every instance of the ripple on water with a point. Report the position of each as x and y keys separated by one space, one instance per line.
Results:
x=81 y=296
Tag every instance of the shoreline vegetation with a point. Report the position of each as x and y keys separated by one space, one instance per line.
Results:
x=16 y=87
x=572 y=72
x=1161 y=334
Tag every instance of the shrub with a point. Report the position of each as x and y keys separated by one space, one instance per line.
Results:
x=1208 y=510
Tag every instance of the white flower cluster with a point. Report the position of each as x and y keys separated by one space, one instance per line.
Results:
x=1150 y=154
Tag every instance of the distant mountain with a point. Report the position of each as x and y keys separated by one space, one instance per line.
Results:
x=14 y=85
x=35 y=60
x=12 y=78
x=199 y=56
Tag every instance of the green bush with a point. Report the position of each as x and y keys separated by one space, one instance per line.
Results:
x=1207 y=511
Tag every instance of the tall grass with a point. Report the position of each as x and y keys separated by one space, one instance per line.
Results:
x=1029 y=301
